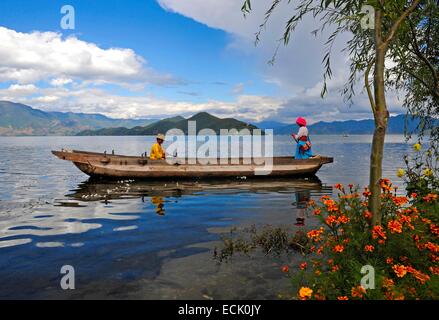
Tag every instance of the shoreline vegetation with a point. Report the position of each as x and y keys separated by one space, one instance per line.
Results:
x=347 y=257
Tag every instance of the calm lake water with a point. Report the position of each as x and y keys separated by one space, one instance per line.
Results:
x=151 y=240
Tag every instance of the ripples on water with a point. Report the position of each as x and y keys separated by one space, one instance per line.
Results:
x=137 y=239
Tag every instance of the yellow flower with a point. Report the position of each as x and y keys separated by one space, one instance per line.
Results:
x=305 y=293
x=400 y=172
x=428 y=172
x=417 y=146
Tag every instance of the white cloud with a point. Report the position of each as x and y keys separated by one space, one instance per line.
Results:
x=30 y=57
x=297 y=70
x=96 y=100
x=59 y=82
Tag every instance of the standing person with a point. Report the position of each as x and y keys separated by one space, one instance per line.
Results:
x=157 y=151
x=303 y=149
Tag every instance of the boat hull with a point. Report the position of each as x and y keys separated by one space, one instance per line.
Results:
x=119 y=166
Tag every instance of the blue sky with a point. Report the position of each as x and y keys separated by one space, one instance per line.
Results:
x=152 y=59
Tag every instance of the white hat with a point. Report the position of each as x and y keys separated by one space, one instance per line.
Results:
x=161 y=136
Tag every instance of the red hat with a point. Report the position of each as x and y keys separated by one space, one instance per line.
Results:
x=301 y=122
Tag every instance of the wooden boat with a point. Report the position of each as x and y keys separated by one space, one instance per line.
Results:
x=105 y=165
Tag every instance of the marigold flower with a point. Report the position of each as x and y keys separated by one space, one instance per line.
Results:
x=338 y=248
x=305 y=293
x=339 y=186
x=317 y=212
x=434 y=229
x=317 y=272
x=434 y=270
x=400 y=270
x=285 y=269
x=389 y=260
x=421 y=277
x=330 y=220
x=335 y=268
x=378 y=232
x=385 y=185
x=366 y=193
x=369 y=248
x=417 y=146
x=358 y=292
x=430 y=197
x=315 y=234
x=342 y=298
x=394 y=226
x=367 y=214
x=388 y=283
x=303 y=266
x=432 y=247
x=343 y=219
x=399 y=201
x=414 y=195
x=400 y=173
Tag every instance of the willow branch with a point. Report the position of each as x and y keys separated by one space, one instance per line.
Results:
x=398 y=22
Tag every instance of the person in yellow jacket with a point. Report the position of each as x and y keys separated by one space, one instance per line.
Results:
x=157 y=151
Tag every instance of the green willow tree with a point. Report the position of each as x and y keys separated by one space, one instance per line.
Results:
x=379 y=34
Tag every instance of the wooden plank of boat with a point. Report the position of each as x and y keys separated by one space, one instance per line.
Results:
x=119 y=166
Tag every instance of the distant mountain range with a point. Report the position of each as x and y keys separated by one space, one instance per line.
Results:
x=396 y=125
x=203 y=120
x=19 y=119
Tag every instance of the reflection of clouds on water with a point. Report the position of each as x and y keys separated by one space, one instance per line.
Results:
x=63 y=220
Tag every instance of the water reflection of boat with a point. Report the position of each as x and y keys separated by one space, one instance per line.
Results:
x=119 y=166
x=99 y=190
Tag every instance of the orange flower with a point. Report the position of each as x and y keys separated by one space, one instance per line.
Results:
x=389 y=260
x=432 y=247
x=285 y=269
x=338 y=248
x=367 y=193
x=303 y=266
x=342 y=298
x=400 y=270
x=418 y=274
x=358 y=292
x=434 y=270
x=388 y=283
x=335 y=268
x=394 y=226
x=430 y=197
x=414 y=195
x=434 y=229
x=378 y=232
x=317 y=212
x=369 y=248
x=339 y=186
x=305 y=293
x=315 y=234
x=317 y=272
x=330 y=220
x=399 y=201
x=386 y=185
x=343 y=219
x=367 y=214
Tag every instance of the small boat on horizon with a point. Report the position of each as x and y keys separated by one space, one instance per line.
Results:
x=112 y=166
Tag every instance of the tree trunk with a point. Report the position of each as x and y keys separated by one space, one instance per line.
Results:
x=381 y=115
